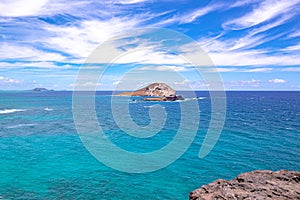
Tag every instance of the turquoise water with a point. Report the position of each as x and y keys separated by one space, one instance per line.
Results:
x=42 y=157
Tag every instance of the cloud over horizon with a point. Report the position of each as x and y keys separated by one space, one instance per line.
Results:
x=43 y=38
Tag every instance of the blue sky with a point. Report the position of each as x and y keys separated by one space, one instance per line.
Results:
x=255 y=45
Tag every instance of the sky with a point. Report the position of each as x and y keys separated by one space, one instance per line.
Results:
x=252 y=44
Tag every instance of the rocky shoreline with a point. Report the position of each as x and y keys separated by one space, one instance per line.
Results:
x=260 y=184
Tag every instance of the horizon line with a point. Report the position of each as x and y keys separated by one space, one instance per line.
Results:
x=236 y=90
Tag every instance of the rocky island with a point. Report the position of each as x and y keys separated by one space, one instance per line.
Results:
x=40 y=89
x=260 y=184
x=155 y=92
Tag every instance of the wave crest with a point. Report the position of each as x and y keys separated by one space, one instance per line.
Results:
x=7 y=111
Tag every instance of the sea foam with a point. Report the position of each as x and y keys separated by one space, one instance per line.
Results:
x=7 y=111
x=20 y=125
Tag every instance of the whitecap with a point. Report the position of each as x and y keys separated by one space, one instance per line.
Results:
x=152 y=106
x=193 y=99
x=7 y=111
x=48 y=109
x=147 y=106
x=20 y=125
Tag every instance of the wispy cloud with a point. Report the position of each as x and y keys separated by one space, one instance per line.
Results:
x=80 y=40
x=295 y=34
x=7 y=80
x=192 y=16
x=221 y=54
x=243 y=51
x=277 y=80
x=26 y=8
x=267 y=10
x=244 y=83
x=42 y=64
x=241 y=3
x=164 y=68
x=129 y=1
x=21 y=7
x=52 y=38
x=263 y=69
x=291 y=69
x=292 y=48
x=26 y=52
x=252 y=58
x=85 y=85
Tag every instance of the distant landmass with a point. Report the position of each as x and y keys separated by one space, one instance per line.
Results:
x=157 y=92
x=40 y=89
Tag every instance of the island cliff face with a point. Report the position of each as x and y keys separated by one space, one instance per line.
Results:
x=261 y=184
x=154 y=89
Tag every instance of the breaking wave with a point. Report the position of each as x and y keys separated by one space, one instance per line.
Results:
x=7 y=111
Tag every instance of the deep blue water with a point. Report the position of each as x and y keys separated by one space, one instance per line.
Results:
x=42 y=156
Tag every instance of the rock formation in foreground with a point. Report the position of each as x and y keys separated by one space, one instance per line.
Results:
x=261 y=184
x=159 y=92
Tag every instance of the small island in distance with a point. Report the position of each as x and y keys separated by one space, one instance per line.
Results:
x=40 y=90
x=155 y=92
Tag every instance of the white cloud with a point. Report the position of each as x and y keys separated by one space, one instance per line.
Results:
x=267 y=10
x=23 y=8
x=129 y=1
x=184 y=82
x=240 y=3
x=25 y=52
x=190 y=17
x=152 y=56
x=80 y=41
x=295 y=34
x=291 y=69
x=164 y=68
x=116 y=83
x=184 y=18
x=252 y=58
x=36 y=84
x=263 y=69
x=85 y=84
x=274 y=23
x=247 y=42
x=244 y=83
x=49 y=65
x=227 y=69
x=292 y=48
x=254 y=37
x=7 y=80
x=241 y=52
x=18 y=8
x=277 y=80
x=80 y=38
x=200 y=84
x=190 y=84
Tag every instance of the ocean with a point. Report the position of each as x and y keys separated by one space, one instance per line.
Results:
x=43 y=157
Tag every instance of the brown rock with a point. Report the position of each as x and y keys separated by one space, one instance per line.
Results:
x=260 y=184
x=154 y=89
